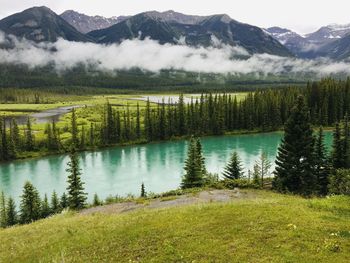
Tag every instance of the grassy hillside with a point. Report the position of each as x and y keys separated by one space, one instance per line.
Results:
x=268 y=228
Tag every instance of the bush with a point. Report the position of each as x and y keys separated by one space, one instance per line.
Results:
x=339 y=182
x=213 y=181
x=239 y=183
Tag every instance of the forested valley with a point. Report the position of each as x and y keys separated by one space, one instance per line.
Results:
x=210 y=114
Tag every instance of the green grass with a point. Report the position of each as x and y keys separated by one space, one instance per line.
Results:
x=270 y=228
x=92 y=111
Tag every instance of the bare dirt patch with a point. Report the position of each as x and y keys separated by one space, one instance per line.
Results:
x=203 y=197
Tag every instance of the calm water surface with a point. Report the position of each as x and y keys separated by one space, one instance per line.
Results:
x=121 y=170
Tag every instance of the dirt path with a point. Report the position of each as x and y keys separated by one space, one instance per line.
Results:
x=173 y=201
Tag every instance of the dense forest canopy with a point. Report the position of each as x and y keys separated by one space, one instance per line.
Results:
x=21 y=76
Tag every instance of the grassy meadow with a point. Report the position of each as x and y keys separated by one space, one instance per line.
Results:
x=269 y=228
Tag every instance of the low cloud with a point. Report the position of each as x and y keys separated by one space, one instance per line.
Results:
x=2 y=37
x=149 y=55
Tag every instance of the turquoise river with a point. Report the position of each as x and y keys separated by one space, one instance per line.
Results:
x=121 y=170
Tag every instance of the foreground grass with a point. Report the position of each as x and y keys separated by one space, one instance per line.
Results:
x=270 y=228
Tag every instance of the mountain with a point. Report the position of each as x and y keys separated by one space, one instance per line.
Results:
x=40 y=24
x=328 y=41
x=175 y=17
x=296 y=43
x=338 y=49
x=328 y=34
x=142 y=25
x=84 y=23
x=172 y=27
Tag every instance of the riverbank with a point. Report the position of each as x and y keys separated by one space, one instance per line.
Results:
x=267 y=227
x=41 y=154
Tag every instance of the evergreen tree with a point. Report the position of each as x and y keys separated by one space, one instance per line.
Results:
x=76 y=195
x=338 y=151
x=346 y=143
x=143 y=190
x=138 y=122
x=263 y=166
x=321 y=163
x=233 y=169
x=5 y=152
x=3 y=213
x=15 y=135
x=97 y=201
x=55 y=203
x=295 y=160
x=200 y=157
x=256 y=175
x=92 y=135
x=82 y=138
x=181 y=122
x=11 y=213
x=29 y=136
x=74 y=127
x=148 y=121
x=64 y=201
x=194 y=176
x=30 y=204
x=45 y=207
x=56 y=137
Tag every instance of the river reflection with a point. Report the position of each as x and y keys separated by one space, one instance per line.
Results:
x=121 y=170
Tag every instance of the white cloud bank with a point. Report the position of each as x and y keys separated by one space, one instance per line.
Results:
x=151 y=56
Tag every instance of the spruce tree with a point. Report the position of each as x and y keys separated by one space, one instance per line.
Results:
x=346 y=143
x=5 y=153
x=75 y=189
x=55 y=203
x=30 y=204
x=11 y=213
x=194 y=176
x=338 y=151
x=64 y=201
x=295 y=160
x=233 y=169
x=181 y=121
x=143 y=190
x=138 y=122
x=15 y=134
x=92 y=135
x=200 y=157
x=3 y=213
x=45 y=207
x=74 y=127
x=321 y=164
x=29 y=136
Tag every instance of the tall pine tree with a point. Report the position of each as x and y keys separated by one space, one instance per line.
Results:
x=321 y=164
x=30 y=204
x=295 y=162
x=194 y=168
x=233 y=169
x=75 y=189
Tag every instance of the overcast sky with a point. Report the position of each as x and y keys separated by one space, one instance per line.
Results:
x=302 y=16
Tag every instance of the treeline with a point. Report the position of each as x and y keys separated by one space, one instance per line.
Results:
x=211 y=114
x=21 y=76
x=303 y=165
x=50 y=95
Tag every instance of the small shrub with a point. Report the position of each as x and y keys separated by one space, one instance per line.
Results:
x=213 y=181
x=239 y=183
x=339 y=182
